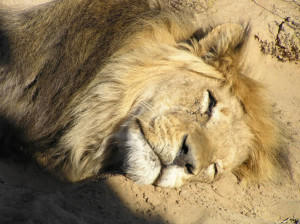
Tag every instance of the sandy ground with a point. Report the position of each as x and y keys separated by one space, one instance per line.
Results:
x=28 y=195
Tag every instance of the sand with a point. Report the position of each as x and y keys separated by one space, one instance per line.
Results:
x=29 y=195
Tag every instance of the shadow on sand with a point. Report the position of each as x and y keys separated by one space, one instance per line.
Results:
x=28 y=195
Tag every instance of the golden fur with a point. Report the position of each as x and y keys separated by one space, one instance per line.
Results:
x=167 y=100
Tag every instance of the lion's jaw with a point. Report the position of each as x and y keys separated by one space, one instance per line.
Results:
x=174 y=136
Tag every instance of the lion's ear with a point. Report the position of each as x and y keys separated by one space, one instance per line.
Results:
x=221 y=46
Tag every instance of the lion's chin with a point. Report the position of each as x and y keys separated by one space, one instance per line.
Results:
x=172 y=176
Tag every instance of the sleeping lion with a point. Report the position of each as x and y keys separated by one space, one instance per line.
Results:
x=95 y=86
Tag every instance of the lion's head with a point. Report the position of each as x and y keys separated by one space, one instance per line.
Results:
x=192 y=112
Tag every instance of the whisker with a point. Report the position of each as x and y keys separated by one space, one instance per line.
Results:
x=150 y=108
x=148 y=112
x=130 y=114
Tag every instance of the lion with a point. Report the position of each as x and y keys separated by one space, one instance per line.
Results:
x=89 y=87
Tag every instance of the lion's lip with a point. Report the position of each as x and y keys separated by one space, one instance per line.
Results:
x=142 y=134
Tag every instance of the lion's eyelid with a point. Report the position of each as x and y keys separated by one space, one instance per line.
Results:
x=208 y=103
x=205 y=102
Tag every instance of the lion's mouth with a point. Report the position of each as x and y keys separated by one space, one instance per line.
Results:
x=177 y=171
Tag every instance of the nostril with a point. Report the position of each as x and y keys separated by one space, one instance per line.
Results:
x=189 y=168
x=184 y=148
x=185 y=158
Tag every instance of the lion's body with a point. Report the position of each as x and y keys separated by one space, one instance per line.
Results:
x=41 y=52
x=91 y=84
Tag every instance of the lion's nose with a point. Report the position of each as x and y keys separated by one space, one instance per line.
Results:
x=186 y=158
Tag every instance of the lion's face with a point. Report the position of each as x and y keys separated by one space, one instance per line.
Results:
x=190 y=127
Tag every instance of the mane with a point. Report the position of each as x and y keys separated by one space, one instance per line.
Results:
x=269 y=156
x=144 y=52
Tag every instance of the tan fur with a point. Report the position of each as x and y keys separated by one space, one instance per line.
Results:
x=149 y=99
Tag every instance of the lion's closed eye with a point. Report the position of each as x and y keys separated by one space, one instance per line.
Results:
x=208 y=103
x=212 y=103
